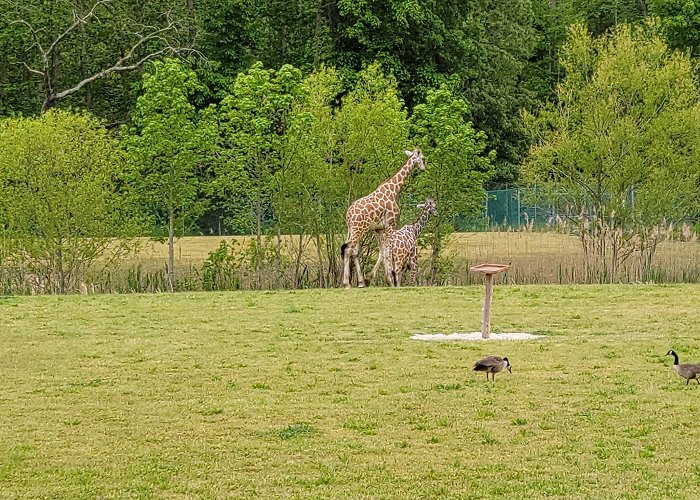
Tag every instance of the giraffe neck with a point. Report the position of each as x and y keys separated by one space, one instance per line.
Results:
x=419 y=225
x=394 y=183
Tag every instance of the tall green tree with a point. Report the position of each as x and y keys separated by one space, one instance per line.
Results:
x=457 y=164
x=338 y=152
x=482 y=46
x=619 y=154
x=314 y=192
x=170 y=143
x=253 y=121
x=62 y=207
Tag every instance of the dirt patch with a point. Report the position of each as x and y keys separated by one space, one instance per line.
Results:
x=452 y=337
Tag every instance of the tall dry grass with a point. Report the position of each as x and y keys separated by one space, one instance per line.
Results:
x=535 y=257
x=228 y=263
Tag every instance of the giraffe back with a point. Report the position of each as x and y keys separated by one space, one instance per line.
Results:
x=376 y=211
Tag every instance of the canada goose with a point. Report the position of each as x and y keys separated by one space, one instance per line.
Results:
x=686 y=371
x=492 y=365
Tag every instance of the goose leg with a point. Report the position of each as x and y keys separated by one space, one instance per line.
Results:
x=687 y=381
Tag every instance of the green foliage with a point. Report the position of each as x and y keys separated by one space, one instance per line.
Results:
x=219 y=270
x=619 y=154
x=458 y=167
x=373 y=129
x=60 y=202
x=680 y=21
x=253 y=122
x=603 y=15
x=480 y=45
x=168 y=143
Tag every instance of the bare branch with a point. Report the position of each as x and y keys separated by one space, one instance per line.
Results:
x=155 y=35
x=113 y=69
x=35 y=36
x=32 y=70
x=146 y=38
x=77 y=22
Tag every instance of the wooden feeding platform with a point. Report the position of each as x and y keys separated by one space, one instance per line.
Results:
x=488 y=270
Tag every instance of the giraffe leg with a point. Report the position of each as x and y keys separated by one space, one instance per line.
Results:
x=351 y=253
x=346 y=266
x=381 y=237
x=358 y=270
x=388 y=269
x=413 y=264
x=372 y=274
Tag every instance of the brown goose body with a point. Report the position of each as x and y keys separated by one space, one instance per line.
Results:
x=492 y=365
x=687 y=371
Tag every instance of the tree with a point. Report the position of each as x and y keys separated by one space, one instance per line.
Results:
x=680 y=21
x=61 y=205
x=253 y=126
x=169 y=143
x=457 y=167
x=482 y=46
x=619 y=154
x=67 y=46
x=314 y=194
x=338 y=151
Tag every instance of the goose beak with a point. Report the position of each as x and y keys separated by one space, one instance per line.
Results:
x=509 y=369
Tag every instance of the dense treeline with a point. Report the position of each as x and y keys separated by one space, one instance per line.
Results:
x=268 y=117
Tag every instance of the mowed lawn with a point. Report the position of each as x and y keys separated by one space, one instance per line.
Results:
x=322 y=393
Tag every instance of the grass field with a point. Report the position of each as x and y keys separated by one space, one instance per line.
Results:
x=321 y=393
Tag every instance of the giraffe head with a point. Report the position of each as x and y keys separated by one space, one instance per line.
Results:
x=429 y=206
x=416 y=157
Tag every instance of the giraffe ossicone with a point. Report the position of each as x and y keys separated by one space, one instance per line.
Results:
x=376 y=212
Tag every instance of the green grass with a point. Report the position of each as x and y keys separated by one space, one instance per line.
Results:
x=321 y=394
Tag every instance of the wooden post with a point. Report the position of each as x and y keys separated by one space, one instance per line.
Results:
x=488 y=270
x=486 y=316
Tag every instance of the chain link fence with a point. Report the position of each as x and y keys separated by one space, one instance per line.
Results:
x=509 y=208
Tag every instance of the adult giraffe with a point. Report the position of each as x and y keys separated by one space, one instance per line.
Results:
x=375 y=212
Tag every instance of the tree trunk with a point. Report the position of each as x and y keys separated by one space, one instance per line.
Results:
x=297 y=264
x=258 y=238
x=278 y=259
x=171 y=248
x=59 y=271
x=435 y=254
x=322 y=279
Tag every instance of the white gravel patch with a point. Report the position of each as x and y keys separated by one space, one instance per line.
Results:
x=441 y=337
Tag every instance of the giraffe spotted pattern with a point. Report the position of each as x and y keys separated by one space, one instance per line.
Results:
x=400 y=251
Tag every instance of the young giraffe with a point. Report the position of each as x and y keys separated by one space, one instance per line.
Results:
x=401 y=248
x=376 y=212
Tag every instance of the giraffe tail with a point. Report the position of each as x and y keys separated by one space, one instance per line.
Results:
x=342 y=249
x=393 y=277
